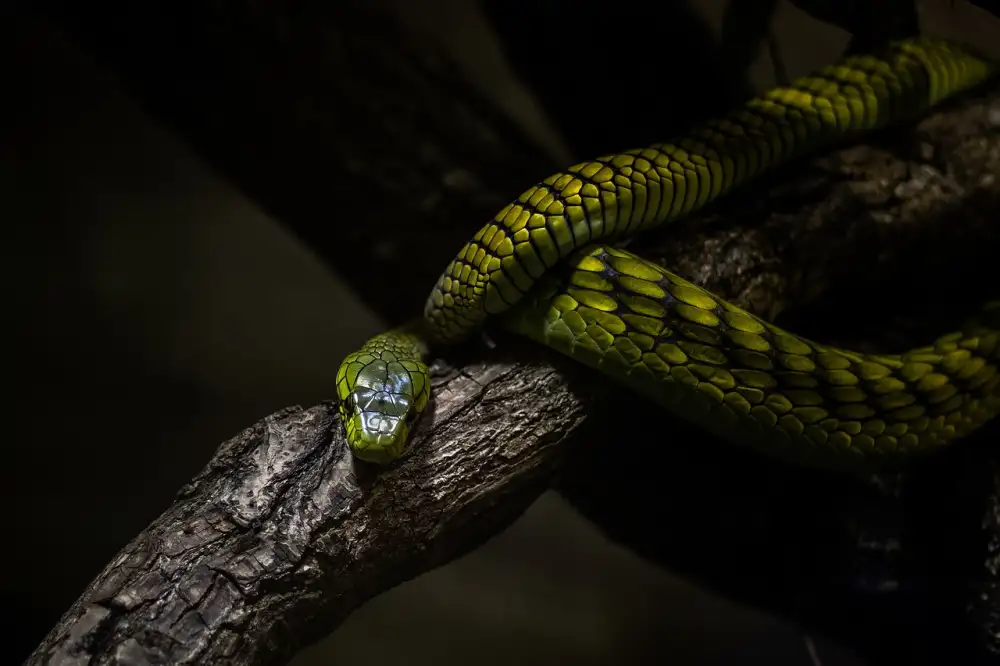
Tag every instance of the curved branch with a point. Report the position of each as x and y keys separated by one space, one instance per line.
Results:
x=283 y=534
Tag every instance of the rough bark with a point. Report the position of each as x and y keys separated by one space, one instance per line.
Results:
x=283 y=535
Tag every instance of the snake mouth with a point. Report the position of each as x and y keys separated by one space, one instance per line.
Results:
x=377 y=438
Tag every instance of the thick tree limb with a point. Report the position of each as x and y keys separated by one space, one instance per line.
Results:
x=282 y=536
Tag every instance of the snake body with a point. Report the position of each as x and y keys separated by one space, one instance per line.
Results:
x=702 y=358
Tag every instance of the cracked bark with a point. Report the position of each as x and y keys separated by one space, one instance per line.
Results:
x=282 y=535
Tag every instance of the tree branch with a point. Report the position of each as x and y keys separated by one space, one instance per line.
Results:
x=283 y=534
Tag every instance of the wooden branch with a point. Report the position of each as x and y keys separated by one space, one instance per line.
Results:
x=282 y=535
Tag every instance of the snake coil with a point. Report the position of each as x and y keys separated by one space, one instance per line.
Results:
x=702 y=358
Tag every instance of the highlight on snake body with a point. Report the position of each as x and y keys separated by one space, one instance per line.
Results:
x=697 y=356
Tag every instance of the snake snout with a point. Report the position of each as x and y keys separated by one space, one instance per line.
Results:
x=381 y=438
x=379 y=423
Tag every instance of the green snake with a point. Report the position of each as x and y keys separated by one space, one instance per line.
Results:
x=701 y=358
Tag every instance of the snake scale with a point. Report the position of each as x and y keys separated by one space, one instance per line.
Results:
x=701 y=358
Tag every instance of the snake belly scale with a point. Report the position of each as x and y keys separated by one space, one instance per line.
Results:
x=698 y=356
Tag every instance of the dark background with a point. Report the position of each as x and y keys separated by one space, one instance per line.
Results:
x=131 y=288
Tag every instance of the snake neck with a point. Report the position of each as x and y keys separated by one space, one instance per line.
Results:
x=419 y=335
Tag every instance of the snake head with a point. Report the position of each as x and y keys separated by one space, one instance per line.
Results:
x=383 y=388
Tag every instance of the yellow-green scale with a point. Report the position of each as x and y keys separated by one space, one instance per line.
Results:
x=753 y=383
x=703 y=358
x=619 y=195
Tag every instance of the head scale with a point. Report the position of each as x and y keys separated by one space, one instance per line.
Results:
x=382 y=389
